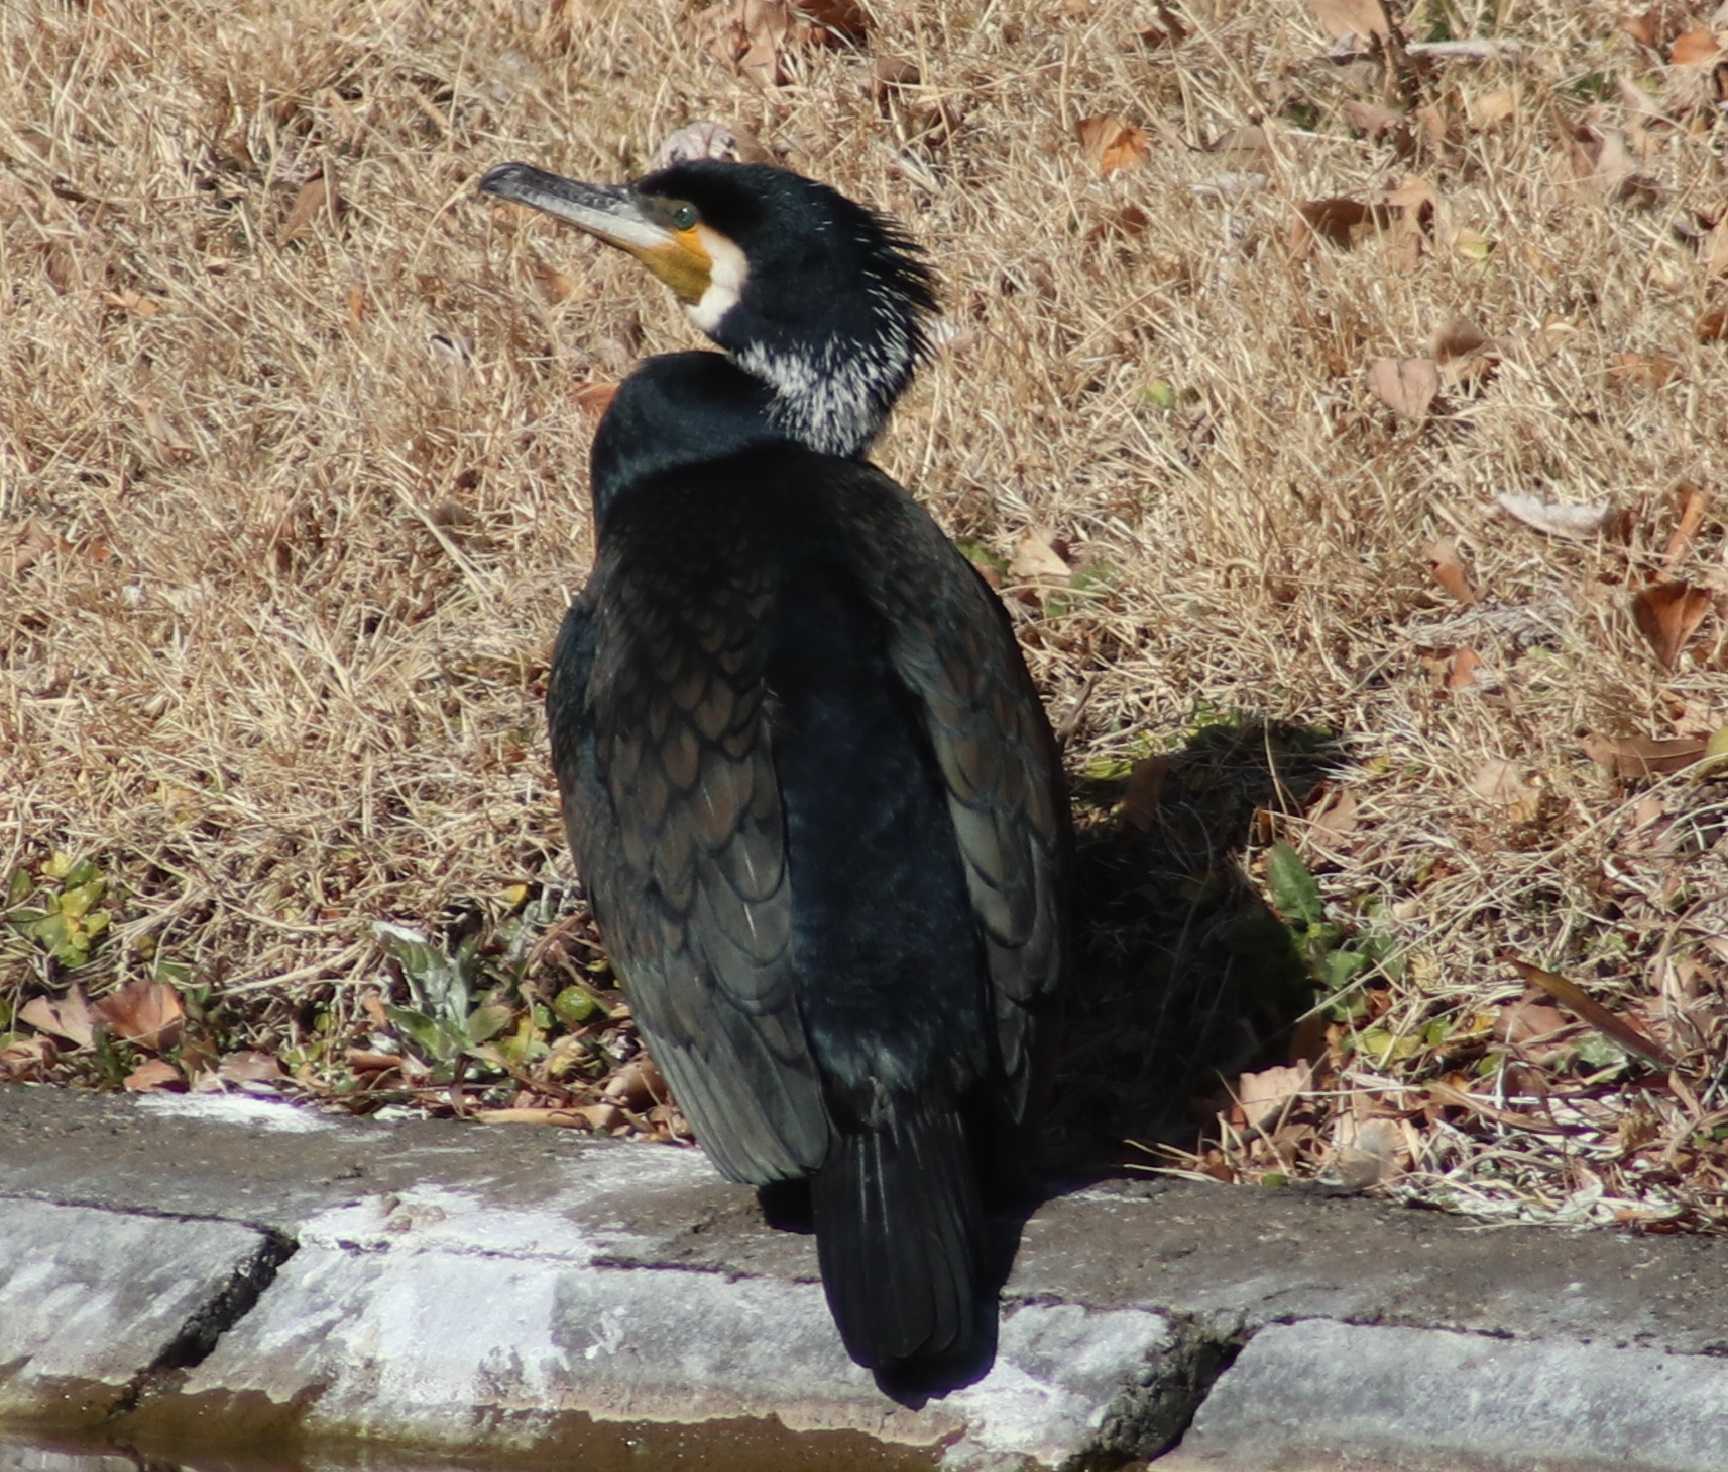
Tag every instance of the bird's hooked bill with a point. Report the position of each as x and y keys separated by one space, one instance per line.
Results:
x=616 y=214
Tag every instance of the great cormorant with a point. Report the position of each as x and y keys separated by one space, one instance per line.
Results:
x=805 y=774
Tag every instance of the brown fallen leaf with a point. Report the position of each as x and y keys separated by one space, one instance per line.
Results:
x=151 y=1075
x=1667 y=616
x=1342 y=18
x=1490 y=109
x=148 y=1013
x=1109 y=143
x=1462 y=674
x=555 y=285
x=1339 y=221
x=1369 y=1151
x=68 y=1018
x=709 y=139
x=1446 y=569
x=1695 y=48
x=1535 y=1028
x=1655 y=27
x=317 y=204
x=1037 y=557
x=1507 y=785
x=248 y=1067
x=1713 y=326
x=1265 y=1095
x=594 y=397
x=1693 y=501
x=1373 y=118
x=134 y=302
x=1336 y=820
x=1633 y=757
x=1569 y=994
x=1643 y=370
x=1145 y=789
x=1407 y=386
x=637 y=1086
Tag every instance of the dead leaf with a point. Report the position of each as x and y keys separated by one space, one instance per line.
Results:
x=148 y=1013
x=1373 y=118
x=1643 y=370
x=1695 y=48
x=68 y=1018
x=1407 y=386
x=248 y=1067
x=1632 y=1039
x=1634 y=757
x=134 y=302
x=1505 y=784
x=1693 y=501
x=1343 y=18
x=1667 y=616
x=1145 y=789
x=1110 y=144
x=1336 y=820
x=709 y=139
x=1339 y=221
x=1369 y=1150
x=1462 y=674
x=555 y=286
x=152 y=1074
x=847 y=19
x=1037 y=557
x=1713 y=249
x=316 y=204
x=594 y=397
x=1557 y=518
x=1264 y=1096
x=1530 y=1021
x=1490 y=109
x=1447 y=570
x=636 y=1086
x=1713 y=326
x=1463 y=351
x=1656 y=27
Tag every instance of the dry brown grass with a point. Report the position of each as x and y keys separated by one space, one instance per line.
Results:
x=288 y=516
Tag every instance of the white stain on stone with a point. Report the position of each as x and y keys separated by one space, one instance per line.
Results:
x=238 y=1109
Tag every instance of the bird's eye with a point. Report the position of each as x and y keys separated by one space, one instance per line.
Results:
x=684 y=217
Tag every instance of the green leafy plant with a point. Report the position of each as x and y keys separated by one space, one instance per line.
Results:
x=60 y=907
x=1336 y=954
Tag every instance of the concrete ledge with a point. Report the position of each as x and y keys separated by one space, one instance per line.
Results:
x=1418 y=1400
x=195 y=1271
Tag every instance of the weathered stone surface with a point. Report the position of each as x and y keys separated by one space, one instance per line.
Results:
x=490 y=1288
x=90 y=1300
x=432 y=1316
x=1431 y=1401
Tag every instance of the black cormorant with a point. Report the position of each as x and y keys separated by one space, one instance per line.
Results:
x=806 y=776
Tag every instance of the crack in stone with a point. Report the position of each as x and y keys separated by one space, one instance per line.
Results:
x=1152 y=1413
x=209 y=1322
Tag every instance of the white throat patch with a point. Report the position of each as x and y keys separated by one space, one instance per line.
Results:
x=726 y=275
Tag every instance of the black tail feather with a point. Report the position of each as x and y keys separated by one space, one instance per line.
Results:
x=898 y=1236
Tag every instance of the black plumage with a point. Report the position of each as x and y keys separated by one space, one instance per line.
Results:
x=805 y=774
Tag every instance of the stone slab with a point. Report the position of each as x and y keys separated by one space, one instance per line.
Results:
x=428 y=1316
x=1324 y=1395
x=90 y=1300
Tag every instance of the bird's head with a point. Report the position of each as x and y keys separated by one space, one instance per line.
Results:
x=824 y=300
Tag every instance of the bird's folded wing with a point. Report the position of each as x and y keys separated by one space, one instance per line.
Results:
x=686 y=861
x=955 y=648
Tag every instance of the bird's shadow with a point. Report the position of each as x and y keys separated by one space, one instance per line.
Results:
x=1181 y=975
